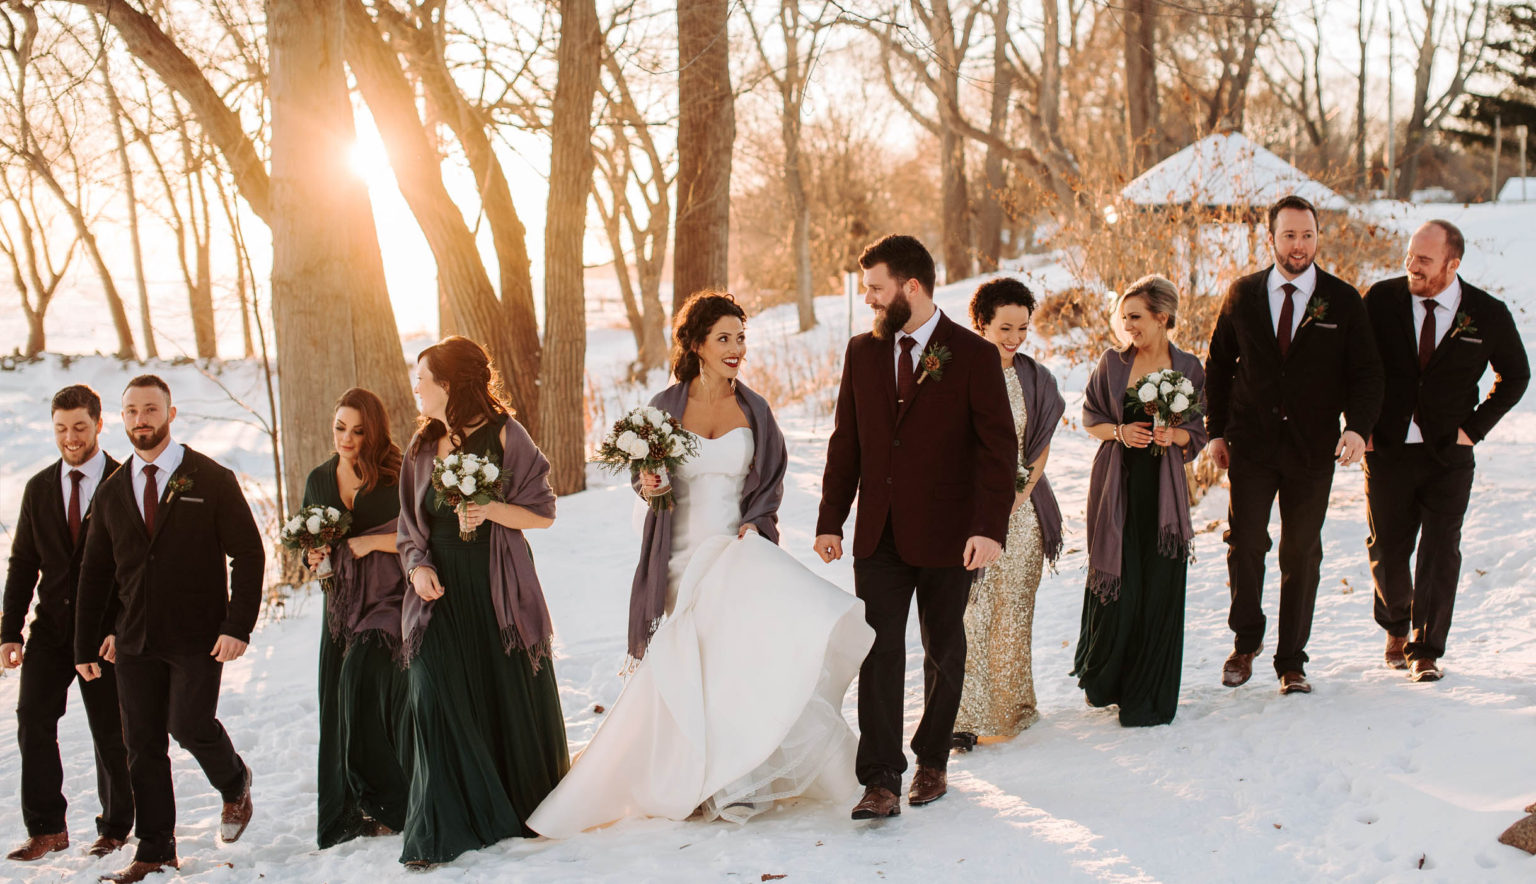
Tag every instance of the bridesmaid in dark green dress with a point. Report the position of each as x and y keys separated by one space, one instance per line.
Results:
x=362 y=785
x=1130 y=651
x=489 y=733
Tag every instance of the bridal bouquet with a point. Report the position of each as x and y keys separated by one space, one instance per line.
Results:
x=1167 y=396
x=647 y=439
x=461 y=479
x=314 y=527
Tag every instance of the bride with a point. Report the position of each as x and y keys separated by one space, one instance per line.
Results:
x=744 y=654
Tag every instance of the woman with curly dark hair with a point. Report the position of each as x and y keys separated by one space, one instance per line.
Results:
x=364 y=730
x=743 y=655
x=488 y=733
x=998 y=700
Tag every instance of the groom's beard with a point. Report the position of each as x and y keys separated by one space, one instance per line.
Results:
x=890 y=318
x=155 y=437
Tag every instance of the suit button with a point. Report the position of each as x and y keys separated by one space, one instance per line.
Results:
x=887 y=480
x=1275 y=410
x=896 y=443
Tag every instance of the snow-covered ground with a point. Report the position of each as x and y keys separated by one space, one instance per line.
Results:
x=1370 y=778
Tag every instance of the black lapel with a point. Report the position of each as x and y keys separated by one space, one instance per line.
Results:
x=90 y=509
x=939 y=338
x=1259 y=314
x=125 y=490
x=56 y=509
x=886 y=348
x=1470 y=302
x=1402 y=309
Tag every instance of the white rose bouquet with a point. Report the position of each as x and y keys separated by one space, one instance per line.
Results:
x=1167 y=396
x=648 y=439
x=314 y=527
x=461 y=479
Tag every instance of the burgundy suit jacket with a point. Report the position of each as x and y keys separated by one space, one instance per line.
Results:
x=941 y=468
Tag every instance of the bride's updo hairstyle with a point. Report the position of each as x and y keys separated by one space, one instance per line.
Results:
x=691 y=327
x=1159 y=293
x=464 y=369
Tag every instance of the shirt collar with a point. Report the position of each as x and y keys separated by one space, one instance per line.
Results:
x=1449 y=298
x=923 y=332
x=1306 y=283
x=166 y=463
x=92 y=468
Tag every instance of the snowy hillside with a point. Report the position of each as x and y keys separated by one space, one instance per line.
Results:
x=1370 y=778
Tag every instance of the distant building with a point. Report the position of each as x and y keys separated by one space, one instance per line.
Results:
x=1518 y=190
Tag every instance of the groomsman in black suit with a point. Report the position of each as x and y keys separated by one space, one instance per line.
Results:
x=1437 y=336
x=1292 y=351
x=45 y=557
x=155 y=556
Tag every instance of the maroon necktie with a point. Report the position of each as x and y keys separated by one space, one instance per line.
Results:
x=74 y=505
x=151 y=497
x=1427 y=334
x=1287 y=317
x=906 y=382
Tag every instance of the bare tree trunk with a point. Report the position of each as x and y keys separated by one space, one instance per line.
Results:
x=1363 y=34
x=563 y=419
x=800 y=225
x=1465 y=28
x=461 y=275
x=1140 y=23
x=323 y=240
x=200 y=291
x=130 y=193
x=706 y=132
x=989 y=239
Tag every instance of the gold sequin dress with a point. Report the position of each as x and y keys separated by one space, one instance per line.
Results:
x=999 y=695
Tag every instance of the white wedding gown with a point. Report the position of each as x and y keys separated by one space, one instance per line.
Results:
x=738 y=701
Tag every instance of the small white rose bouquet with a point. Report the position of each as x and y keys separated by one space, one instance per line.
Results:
x=1167 y=396
x=650 y=440
x=314 y=527
x=462 y=479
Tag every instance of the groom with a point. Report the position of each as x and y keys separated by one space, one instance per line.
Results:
x=154 y=580
x=924 y=437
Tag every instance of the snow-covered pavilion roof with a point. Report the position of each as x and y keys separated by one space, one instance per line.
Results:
x=1226 y=170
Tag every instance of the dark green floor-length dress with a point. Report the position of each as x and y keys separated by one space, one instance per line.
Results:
x=364 y=728
x=1131 y=650
x=488 y=731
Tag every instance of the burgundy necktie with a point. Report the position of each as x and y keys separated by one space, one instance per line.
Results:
x=1287 y=317
x=151 y=497
x=906 y=383
x=1427 y=334
x=74 y=505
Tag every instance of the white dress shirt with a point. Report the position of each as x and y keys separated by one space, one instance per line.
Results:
x=921 y=335
x=1449 y=302
x=165 y=465
x=1305 y=285
x=92 y=469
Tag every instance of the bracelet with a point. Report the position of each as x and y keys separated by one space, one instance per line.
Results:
x=1119 y=438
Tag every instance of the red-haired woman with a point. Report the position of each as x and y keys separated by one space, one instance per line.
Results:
x=362 y=785
x=488 y=732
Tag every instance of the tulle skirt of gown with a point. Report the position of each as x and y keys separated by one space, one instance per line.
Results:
x=737 y=703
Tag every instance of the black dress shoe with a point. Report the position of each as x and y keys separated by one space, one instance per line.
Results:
x=962 y=741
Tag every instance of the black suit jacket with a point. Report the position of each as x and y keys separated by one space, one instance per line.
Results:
x=175 y=594
x=941 y=467
x=1256 y=399
x=43 y=558
x=1445 y=392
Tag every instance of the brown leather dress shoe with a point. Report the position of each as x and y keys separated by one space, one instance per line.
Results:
x=138 y=870
x=1238 y=669
x=237 y=814
x=878 y=803
x=38 y=846
x=1425 y=670
x=928 y=786
x=1294 y=683
x=1396 y=654
x=105 y=845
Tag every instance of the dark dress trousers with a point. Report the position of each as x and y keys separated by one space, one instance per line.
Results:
x=45 y=559
x=1417 y=493
x=928 y=475
x=174 y=596
x=1280 y=419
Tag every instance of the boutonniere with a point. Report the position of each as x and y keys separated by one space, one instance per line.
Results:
x=1317 y=311
x=177 y=486
x=1462 y=325
x=932 y=362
